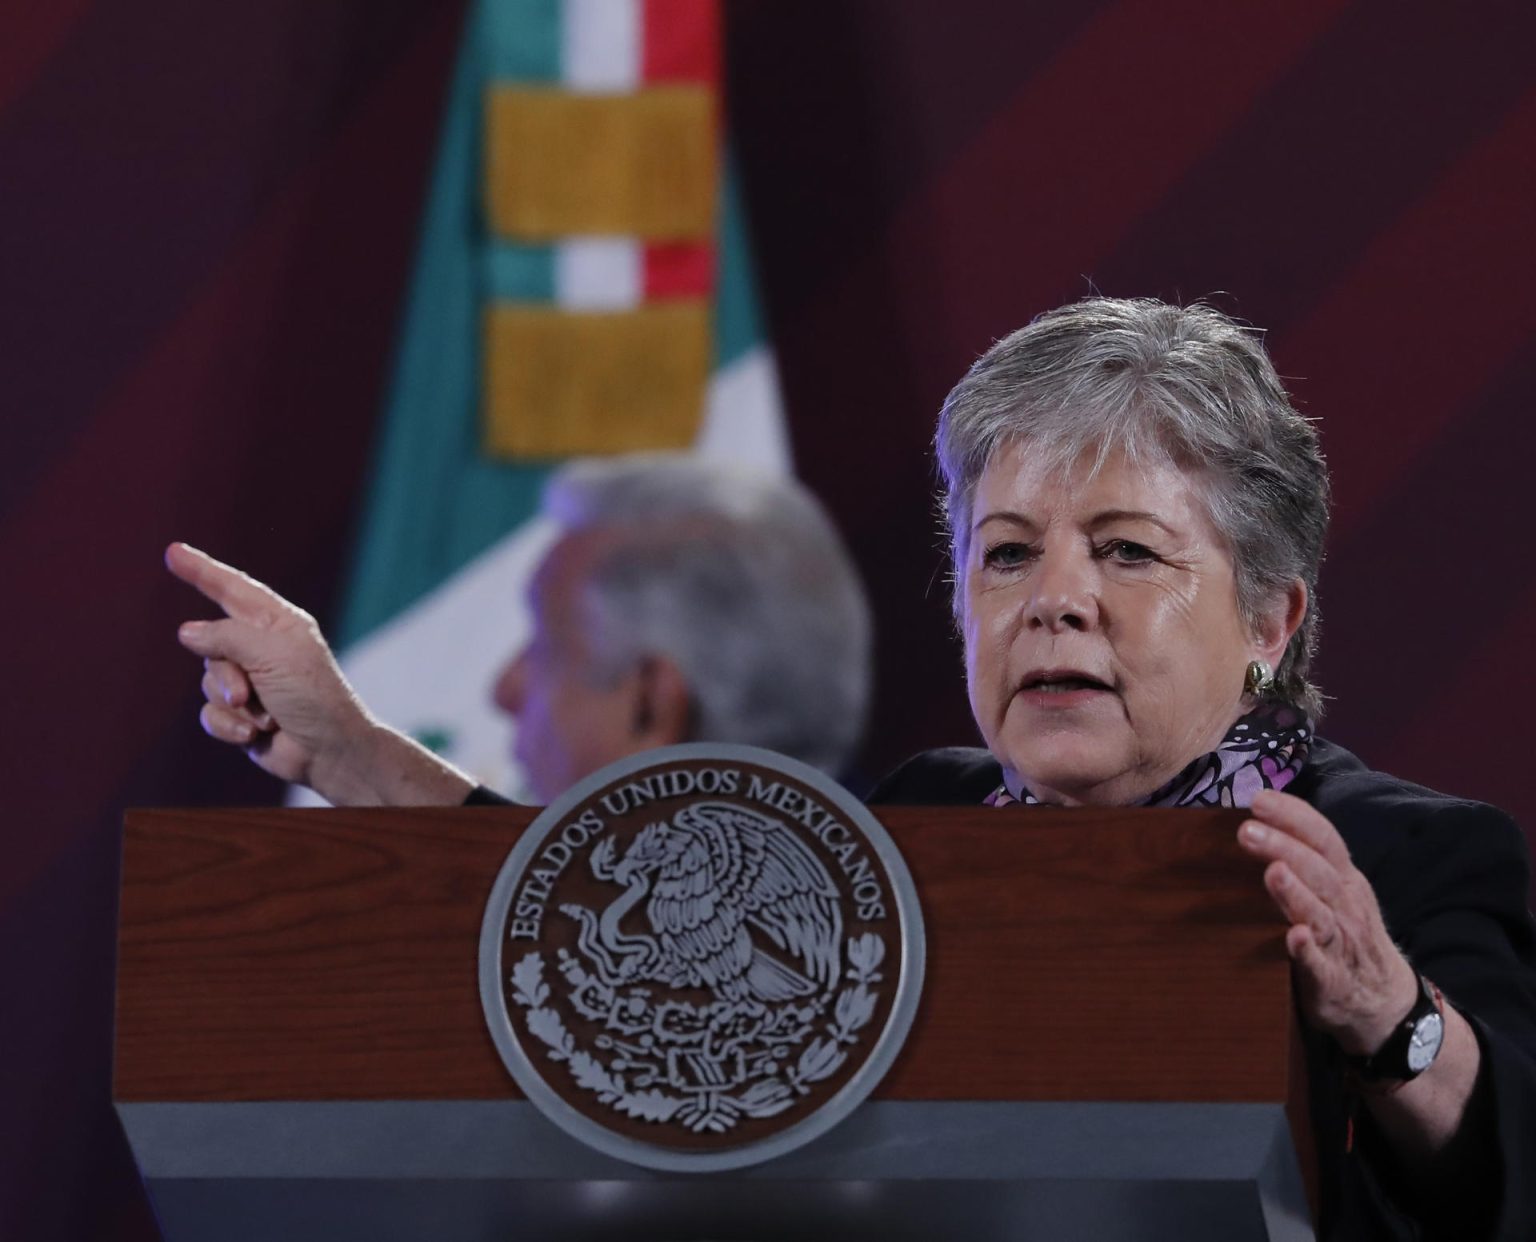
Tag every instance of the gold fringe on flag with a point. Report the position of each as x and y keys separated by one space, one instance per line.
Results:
x=640 y=165
x=565 y=384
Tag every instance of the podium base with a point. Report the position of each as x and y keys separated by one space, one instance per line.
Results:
x=480 y=1170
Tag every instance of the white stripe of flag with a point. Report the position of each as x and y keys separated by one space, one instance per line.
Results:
x=599 y=273
x=600 y=45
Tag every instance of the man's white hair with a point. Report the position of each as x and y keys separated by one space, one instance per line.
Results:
x=741 y=580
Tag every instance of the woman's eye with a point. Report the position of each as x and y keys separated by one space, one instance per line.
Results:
x=1126 y=552
x=1006 y=555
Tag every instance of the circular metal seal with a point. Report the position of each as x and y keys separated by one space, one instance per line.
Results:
x=701 y=957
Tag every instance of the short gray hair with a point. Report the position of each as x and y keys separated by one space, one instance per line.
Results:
x=1179 y=384
x=741 y=580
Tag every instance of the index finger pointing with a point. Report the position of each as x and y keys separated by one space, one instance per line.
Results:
x=236 y=593
x=1302 y=821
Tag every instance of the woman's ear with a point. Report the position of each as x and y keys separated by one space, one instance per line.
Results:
x=663 y=704
x=1278 y=623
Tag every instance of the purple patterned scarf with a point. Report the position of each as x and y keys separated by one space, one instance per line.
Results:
x=1263 y=750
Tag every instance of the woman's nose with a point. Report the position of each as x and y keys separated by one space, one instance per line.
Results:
x=1065 y=595
x=511 y=684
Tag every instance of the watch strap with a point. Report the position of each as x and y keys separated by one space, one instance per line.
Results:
x=1389 y=1063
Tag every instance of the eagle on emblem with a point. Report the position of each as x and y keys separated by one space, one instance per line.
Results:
x=713 y=879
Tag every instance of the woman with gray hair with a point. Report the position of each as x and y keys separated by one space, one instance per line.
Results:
x=1136 y=516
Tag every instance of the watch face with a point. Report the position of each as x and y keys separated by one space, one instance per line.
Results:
x=1425 y=1042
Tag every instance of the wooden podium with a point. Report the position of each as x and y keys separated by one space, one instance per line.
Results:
x=1105 y=1046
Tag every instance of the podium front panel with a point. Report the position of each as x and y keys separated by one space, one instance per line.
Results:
x=1103 y=1047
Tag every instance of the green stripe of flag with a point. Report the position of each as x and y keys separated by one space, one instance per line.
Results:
x=434 y=502
x=521 y=39
x=517 y=273
x=737 y=324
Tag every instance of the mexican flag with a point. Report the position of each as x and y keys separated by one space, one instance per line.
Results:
x=583 y=286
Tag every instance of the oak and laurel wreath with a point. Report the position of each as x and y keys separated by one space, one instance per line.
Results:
x=819 y=1060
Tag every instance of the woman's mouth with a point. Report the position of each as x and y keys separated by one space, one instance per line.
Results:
x=1062 y=687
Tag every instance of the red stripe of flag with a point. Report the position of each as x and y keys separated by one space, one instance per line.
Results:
x=679 y=270
x=680 y=41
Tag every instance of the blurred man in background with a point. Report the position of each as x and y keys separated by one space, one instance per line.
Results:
x=682 y=601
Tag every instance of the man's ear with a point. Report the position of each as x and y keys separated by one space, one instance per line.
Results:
x=663 y=704
x=1281 y=621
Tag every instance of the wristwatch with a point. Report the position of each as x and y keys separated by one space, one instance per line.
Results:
x=1413 y=1045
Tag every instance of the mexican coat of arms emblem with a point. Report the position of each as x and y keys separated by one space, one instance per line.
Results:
x=702 y=957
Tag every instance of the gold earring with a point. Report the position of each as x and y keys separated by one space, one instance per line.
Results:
x=1259 y=678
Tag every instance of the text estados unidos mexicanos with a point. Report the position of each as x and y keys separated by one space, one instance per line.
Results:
x=587 y=828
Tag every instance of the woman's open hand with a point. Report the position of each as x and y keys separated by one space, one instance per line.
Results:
x=1354 y=983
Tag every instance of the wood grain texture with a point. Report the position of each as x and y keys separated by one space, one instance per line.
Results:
x=277 y=954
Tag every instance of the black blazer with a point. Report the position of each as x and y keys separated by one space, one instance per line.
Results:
x=1451 y=876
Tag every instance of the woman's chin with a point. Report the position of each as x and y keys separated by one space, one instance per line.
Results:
x=1063 y=767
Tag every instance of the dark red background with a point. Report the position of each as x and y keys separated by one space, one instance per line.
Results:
x=206 y=217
